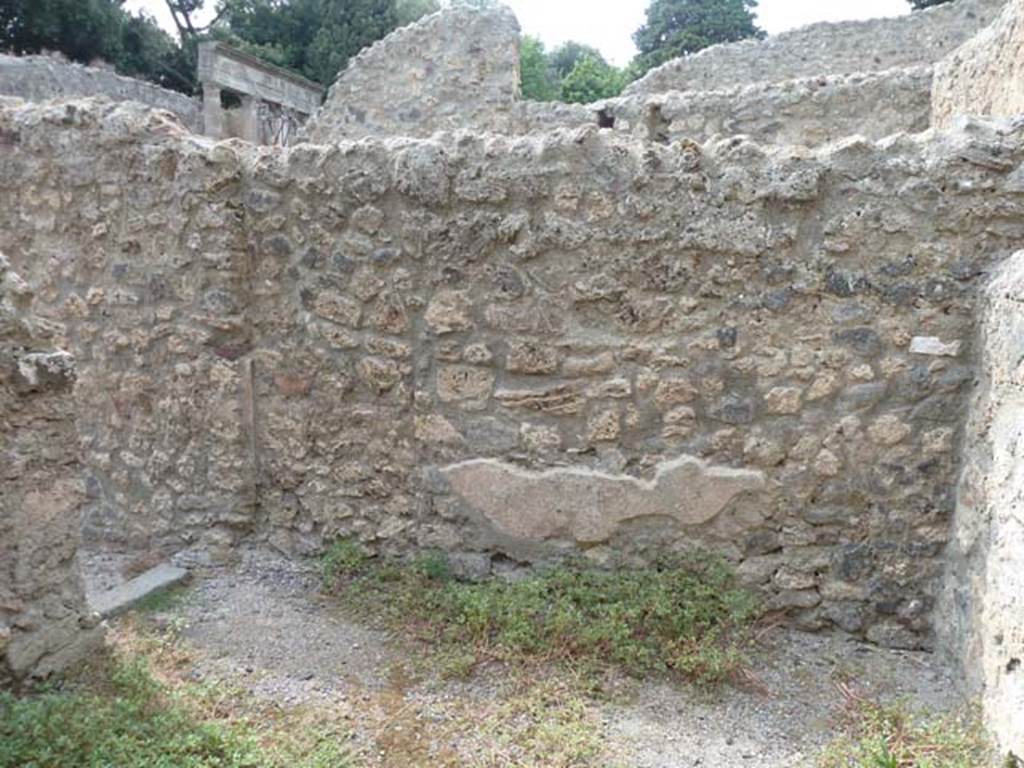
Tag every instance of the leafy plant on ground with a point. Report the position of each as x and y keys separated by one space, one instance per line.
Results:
x=121 y=714
x=344 y=558
x=877 y=735
x=687 y=617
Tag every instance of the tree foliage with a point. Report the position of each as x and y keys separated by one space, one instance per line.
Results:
x=149 y=53
x=536 y=77
x=590 y=79
x=572 y=72
x=315 y=37
x=681 y=27
x=565 y=56
x=87 y=30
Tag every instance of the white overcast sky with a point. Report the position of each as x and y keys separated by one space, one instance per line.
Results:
x=608 y=24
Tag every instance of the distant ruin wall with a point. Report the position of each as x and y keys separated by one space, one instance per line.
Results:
x=39 y=78
x=983 y=603
x=329 y=340
x=986 y=75
x=920 y=38
x=455 y=69
x=44 y=621
x=810 y=111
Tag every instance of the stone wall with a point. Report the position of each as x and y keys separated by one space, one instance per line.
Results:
x=920 y=38
x=40 y=78
x=457 y=68
x=766 y=352
x=44 y=622
x=984 y=599
x=810 y=111
x=986 y=75
x=153 y=275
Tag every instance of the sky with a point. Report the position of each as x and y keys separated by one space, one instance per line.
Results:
x=608 y=24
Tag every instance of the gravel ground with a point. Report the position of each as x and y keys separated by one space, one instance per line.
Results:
x=788 y=721
x=263 y=624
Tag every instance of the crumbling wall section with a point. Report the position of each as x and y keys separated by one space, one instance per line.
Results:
x=41 y=78
x=986 y=75
x=457 y=68
x=920 y=38
x=44 y=621
x=442 y=86
x=810 y=111
x=983 y=617
x=765 y=352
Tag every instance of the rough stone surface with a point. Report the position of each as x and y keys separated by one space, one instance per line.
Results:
x=809 y=110
x=456 y=68
x=919 y=38
x=985 y=76
x=624 y=337
x=984 y=595
x=40 y=78
x=44 y=622
x=290 y=344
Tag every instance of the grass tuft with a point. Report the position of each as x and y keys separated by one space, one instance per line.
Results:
x=688 y=617
x=891 y=736
x=122 y=715
x=134 y=726
x=344 y=558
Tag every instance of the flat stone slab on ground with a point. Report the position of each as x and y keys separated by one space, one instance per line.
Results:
x=122 y=598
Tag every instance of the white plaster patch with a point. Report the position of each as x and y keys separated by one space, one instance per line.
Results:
x=933 y=345
x=587 y=506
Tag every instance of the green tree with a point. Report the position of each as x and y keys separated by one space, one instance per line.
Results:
x=346 y=27
x=681 y=27
x=85 y=30
x=314 y=37
x=182 y=12
x=565 y=56
x=591 y=79
x=413 y=10
x=150 y=53
x=82 y=30
x=537 y=81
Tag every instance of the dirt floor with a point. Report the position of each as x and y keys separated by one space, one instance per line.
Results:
x=264 y=625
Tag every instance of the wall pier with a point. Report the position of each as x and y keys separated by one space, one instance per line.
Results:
x=982 y=623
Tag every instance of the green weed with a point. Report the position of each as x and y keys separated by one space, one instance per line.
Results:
x=688 y=617
x=130 y=720
x=891 y=736
x=343 y=558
